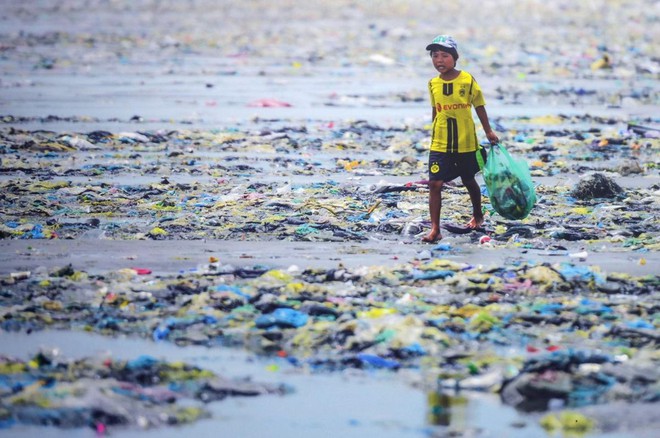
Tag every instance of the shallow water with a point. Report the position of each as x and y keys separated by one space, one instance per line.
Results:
x=348 y=404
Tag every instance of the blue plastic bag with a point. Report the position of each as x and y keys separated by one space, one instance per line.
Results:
x=510 y=187
x=282 y=318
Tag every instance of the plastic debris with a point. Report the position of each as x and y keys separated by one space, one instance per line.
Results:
x=567 y=308
x=157 y=208
x=103 y=394
x=269 y=103
x=282 y=318
x=567 y=422
x=597 y=186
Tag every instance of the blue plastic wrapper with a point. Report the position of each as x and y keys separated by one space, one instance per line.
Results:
x=282 y=318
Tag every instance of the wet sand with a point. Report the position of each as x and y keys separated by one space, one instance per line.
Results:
x=172 y=257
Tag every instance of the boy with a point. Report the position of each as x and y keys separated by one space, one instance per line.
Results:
x=454 y=138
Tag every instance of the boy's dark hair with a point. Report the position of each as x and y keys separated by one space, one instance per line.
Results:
x=439 y=48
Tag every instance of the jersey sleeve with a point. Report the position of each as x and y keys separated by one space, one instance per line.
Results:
x=477 y=95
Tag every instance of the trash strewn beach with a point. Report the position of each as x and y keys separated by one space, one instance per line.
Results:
x=252 y=176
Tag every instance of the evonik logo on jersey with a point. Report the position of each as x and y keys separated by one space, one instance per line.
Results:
x=452 y=106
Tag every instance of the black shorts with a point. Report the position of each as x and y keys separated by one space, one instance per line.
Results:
x=446 y=166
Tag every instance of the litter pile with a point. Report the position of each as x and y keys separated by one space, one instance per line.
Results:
x=313 y=183
x=50 y=390
x=546 y=336
x=597 y=186
x=539 y=333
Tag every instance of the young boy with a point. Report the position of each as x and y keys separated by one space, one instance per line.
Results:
x=454 y=138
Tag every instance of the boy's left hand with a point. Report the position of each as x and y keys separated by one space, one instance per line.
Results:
x=492 y=137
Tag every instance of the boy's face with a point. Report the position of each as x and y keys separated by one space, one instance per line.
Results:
x=442 y=61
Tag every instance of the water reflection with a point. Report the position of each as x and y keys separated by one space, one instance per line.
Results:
x=445 y=409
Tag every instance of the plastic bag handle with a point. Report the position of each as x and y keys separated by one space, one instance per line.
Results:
x=480 y=158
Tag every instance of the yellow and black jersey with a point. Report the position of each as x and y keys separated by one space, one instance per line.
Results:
x=453 y=127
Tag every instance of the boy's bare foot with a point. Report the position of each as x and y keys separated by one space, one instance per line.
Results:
x=432 y=237
x=475 y=222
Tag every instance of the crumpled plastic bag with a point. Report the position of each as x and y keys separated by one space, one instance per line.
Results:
x=509 y=182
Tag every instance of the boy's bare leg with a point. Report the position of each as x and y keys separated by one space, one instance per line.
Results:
x=475 y=197
x=435 y=206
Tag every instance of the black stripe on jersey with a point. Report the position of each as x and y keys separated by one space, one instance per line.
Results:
x=435 y=120
x=448 y=89
x=452 y=134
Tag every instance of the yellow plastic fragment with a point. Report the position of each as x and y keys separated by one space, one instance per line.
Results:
x=543 y=275
x=52 y=306
x=602 y=63
x=376 y=313
x=581 y=210
x=567 y=421
x=46 y=186
x=12 y=368
x=295 y=288
x=279 y=275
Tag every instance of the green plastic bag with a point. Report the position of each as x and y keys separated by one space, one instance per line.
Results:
x=509 y=183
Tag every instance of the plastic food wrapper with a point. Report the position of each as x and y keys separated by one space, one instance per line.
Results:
x=509 y=182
